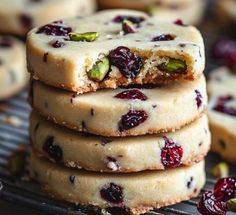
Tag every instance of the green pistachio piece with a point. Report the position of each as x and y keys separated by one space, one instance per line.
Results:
x=152 y=9
x=231 y=205
x=99 y=70
x=173 y=66
x=128 y=27
x=221 y=170
x=88 y=36
x=16 y=162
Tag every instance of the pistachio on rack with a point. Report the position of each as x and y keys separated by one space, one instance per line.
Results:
x=221 y=170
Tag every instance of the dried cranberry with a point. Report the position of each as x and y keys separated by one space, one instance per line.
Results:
x=132 y=119
x=26 y=21
x=210 y=205
x=225 y=189
x=230 y=61
x=132 y=95
x=198 y=98
x=171 y=154
x=224 y=47
x=164 y=37
x=179 y=22
x=112 y=193
x=221 y=105
x=57 y=44
x=45 y=57
x=55 y=29
x=53 y=150
x=128 y=63
x=133 y=19
x=6 y=42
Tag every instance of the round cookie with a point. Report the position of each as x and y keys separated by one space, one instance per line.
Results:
x=13 y=75
x=222 y=113
x=190 y=11
x=19 y=16
x=135 y=192
x=226 y=12
x=123 y=112
x=131 y=154
x=117 y=53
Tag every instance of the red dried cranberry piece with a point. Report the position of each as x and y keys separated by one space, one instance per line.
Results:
x=112 y=193
x=53 y=150
x=198 y=98
x=26 y=21
x=171 y=154
x=133 y=19
x=131 y=95
x=55 y=29
x=210 y=205
x=179 y=22
x=225 y=189
x=221 y=105
x=6 y=42
x=132 y=119
x=224 y=47
x=57 y=44
x=128 y=63
x=164 y=37
x=230 y=61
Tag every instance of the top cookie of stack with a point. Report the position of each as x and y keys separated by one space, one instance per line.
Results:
x=112 y=49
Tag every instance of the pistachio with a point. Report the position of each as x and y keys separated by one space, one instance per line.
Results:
x=221 y=170
x=173 y=66
x=128 y=27
x=153 y=9
x=88 y=36
x=99 y=70
x=231 y=205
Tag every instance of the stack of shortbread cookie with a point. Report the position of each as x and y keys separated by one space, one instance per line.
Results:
x=118 y=117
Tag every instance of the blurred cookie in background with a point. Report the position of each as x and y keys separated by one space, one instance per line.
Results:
x=189 y=11
x=19 y=16
x=13 y=75
x=222 y=112
x=226 y=13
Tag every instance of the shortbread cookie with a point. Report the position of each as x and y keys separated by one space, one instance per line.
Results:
x=13 y=75
x=19 y=16
x=135 y=192
x=123 y=112
x=125 y=47
x=131 y=154
x=190 y=11
x=226 y=11
x=222 y=113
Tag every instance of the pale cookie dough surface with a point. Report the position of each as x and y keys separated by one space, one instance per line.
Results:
x=189 y=11
x=227 y=10
x=131 y=154
x=137 y=192
x=19 y=16
x=222 y=113
x=13 y=75
x=68 y=66
x=108 y=113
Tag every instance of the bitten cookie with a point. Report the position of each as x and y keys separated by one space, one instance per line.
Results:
x=190 y=11
x=222 y=113
x=19 y=16
x=125 y=47
x=136 y=193
x=186 y=146
x=123 y=112
x=13 y=75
